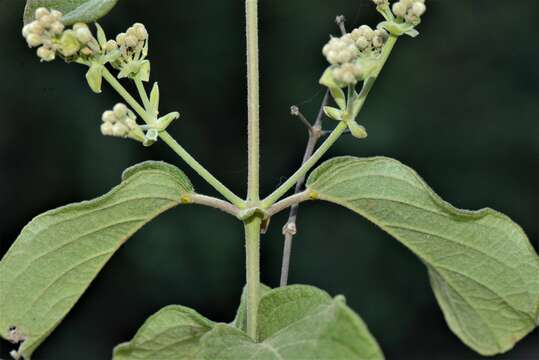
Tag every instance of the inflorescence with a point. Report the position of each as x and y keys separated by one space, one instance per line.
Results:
x=351 y=53
x=121 y=122
x=50 y=36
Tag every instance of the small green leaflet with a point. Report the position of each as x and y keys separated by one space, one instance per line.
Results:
x=74 y=11
x=59 y=253
x=482 y=267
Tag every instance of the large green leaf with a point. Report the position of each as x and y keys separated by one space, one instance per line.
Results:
x=60 y=252
x=296 y=322
x=483 y=269
x=172 y=333
x=74 y=10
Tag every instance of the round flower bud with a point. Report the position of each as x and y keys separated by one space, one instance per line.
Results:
x=418 y=9
x=130 y=123
x=79 y=25
x=399 y=9
x=366 y=31
x=120 y=39
x=120 y=110
x=46 y=54
x=57 y=28
x=86 y=51
x=109 y=117
x=131 y=41
x=34 y=40
x=46 y=21
x=140 y=31
x=362 y=43
x=380 y=37
x=36 y=28
x=40 y=12
x=119 y=129
x=107 y=129
x=111 y=45
x=26 y=30
x=57 y=15
x=84 y=35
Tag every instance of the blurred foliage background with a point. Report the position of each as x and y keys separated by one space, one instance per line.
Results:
x=459 y=104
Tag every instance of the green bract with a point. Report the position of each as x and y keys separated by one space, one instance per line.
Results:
x=74 y=10
x=483 y=269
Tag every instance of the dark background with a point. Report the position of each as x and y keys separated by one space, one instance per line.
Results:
x=459 y=104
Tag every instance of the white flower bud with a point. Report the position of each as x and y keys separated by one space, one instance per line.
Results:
x=107 y=129
x=84 y=35
x=399 y=9
x=57 y=15
x=120 y=39
x=46 y=21
x=109 y=117
x=119 y=129
x=41 y=12
x=131 y=41
x=34 y=40
x=36 y=28
x=362 y=43
x=46 y=54
x=418 y=9
x=57 y=28
x=86 y=51
x=130 y=123
x=366 y=31
x=120 y=110
x=140 y=31
x=26 y=30
x=111 y=45
x=79 y=25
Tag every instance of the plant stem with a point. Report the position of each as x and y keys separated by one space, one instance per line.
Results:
x=173 y=144
x=143 y=94
x=252 y=266
x=252 y=225
x=253 y=128
x=302 y=171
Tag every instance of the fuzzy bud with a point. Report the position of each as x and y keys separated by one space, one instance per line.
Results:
x=111 y=45
x=131 y=41
x=109 y=117
x=34 y=40
x=41 y=12
x=348 y=73
x=107 y=129
x=119 y=130
x=120 y=110
x=140 y=31
x=46 y=54
x=57 y=15
x=57 y=28
x=120 y=39
x=84 y=35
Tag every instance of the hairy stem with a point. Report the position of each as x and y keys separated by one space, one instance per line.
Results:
x=212 y=202
x=251 y=11
x=252 y=266
x=252 y=225
x=173 y=144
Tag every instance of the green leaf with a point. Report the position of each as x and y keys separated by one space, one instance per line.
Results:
x=295 y=322
x=59 y=253
x=483 y=269
x=240 y=321
x=74 y=10
x=172 y=333
x=94 y=77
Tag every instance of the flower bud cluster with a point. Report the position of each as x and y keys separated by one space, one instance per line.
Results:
x=410 y=10
x=132 y=45
x=345 y=52
x=49 y=34
x=42 y=31
x=121 y=122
